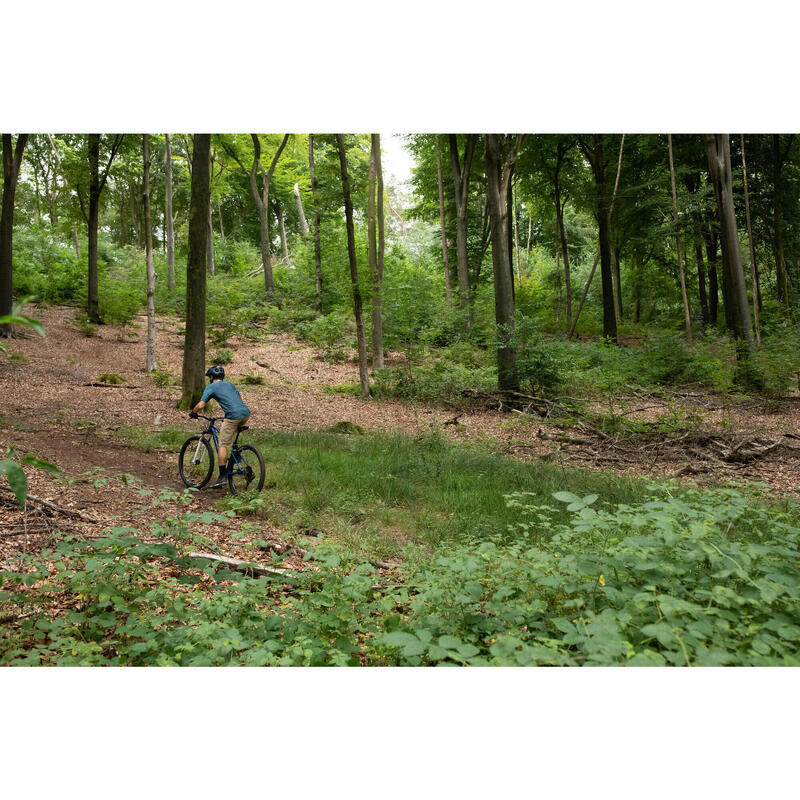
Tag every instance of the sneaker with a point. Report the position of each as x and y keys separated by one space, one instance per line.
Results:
x=219 y=483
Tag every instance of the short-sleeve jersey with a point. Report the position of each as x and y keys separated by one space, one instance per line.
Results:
x=227 y=395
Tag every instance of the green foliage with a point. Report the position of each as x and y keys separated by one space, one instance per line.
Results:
x=15 y=475
x=82 y=323
x=222 y=357
x=251 y=379
x=332 y=333
x=163 y=377
x=435 y=380
x=110 y=377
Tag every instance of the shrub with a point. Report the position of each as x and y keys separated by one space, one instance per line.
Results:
x=222 y=357
x=332 y=334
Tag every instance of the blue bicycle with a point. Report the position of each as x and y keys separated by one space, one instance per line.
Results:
x=196 y=461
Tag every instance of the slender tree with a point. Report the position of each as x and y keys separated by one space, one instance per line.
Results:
x=779 y=156
x=317 y=248
x=448 y=289
x=753 y=273
x=718 y=151
x=351 y=253
x=686 y=314
x=560 y=200
x=461 y=173
x=194 y=350
x=169 y=220
x=282 y=231
x=375 y=246
x=300 y=212
x=97 y=182
x=12 y=160
x=596 y=157
x=150 y=361
x=499 y=169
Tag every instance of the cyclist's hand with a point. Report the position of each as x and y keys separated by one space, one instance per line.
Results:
x=193 y=414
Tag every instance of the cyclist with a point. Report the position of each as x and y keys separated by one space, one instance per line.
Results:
x=236 y=415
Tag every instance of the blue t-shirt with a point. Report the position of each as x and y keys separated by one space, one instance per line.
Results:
x=227 y=395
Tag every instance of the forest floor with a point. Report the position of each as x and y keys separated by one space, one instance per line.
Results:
x=54 y=408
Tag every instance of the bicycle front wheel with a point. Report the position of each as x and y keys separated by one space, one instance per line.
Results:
x=196 y=462
x=246 y=470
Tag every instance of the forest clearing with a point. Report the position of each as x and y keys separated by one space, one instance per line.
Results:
x=475 y=453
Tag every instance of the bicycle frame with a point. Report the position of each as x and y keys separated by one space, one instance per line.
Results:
x=214 y=431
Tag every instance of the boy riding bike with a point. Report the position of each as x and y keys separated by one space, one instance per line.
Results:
x=236 y=415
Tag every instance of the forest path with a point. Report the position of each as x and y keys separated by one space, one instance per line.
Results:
x=48 y=409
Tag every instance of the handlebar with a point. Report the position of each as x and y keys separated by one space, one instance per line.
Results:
x=203 y=416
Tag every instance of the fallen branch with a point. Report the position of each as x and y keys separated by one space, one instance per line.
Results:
x=243 y=566
x=60 y=509
x=111 y=385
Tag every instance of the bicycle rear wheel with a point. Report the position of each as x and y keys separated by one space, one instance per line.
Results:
x=246 y=470
x=196 y=462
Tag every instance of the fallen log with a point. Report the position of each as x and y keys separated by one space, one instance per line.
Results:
x=60 y=509
x=243 y=566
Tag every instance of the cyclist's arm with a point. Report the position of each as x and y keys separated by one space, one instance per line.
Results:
x=199 y=407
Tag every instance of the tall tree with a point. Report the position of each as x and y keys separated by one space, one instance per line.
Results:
x=12 y=159
x=500 y=158
x=97 y=182
x=751 y=249
x=315 y=199
x=351 y=253
x=686 y=314
x=150 y=361
x=596 y=157
x=169 y=220
x=375 y=246
x=461 y=173
x=779 y=155
x=718 y=150
x=194 y=349
x=448 y=289
x=560 y=200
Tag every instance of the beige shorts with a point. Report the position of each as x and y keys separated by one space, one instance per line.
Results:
x=227 y=431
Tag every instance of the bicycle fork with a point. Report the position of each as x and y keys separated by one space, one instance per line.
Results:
x=200 y=450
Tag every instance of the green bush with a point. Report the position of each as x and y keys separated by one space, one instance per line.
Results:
x=435 y=381
x=222 y=357
x=332 y=334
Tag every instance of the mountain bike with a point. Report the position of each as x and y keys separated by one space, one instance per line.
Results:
x=196 y=460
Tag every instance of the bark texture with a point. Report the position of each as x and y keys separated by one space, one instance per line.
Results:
x=150 y=359
x=169 y=220
x=499 y=169
x=751 y=249
x=300 y=212
x=461 y=174
x=448 y=289
x=194 y=350
x=12 y=159
x=718 y=152
x=351 y=253
x=686 y=313
x=317 y=248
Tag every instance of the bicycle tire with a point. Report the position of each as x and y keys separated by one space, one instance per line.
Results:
x=239 y=480
x=196 y=476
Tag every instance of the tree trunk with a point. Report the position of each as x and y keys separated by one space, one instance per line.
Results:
x=498 y=175
x=76 y=240
x=604 y=213
x=377 y=293
x=210 y=244
x=777 y=241
x=448 y=290
x=461 y=184
x=686 y=314
x=194 y=350
x=617 y=283
x=719 y=162
x=351 y=253
x=150 y=362
x=168 y=219
x=713 y=279
x=300 y=214
x=516 y=236
x=93 y=301
x=262 y=202
x=317 y=249
x=562 y=235
x=701 y=282
x=750 y=245
x=219 y=217
x=282 y=231
x=12 y=159
x=123 y=233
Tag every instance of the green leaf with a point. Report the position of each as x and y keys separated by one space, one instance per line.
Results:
x=40 y=463
x=16 y=480
x=566 y=497
x=450 y=642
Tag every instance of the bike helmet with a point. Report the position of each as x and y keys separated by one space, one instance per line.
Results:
x=215 y=372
